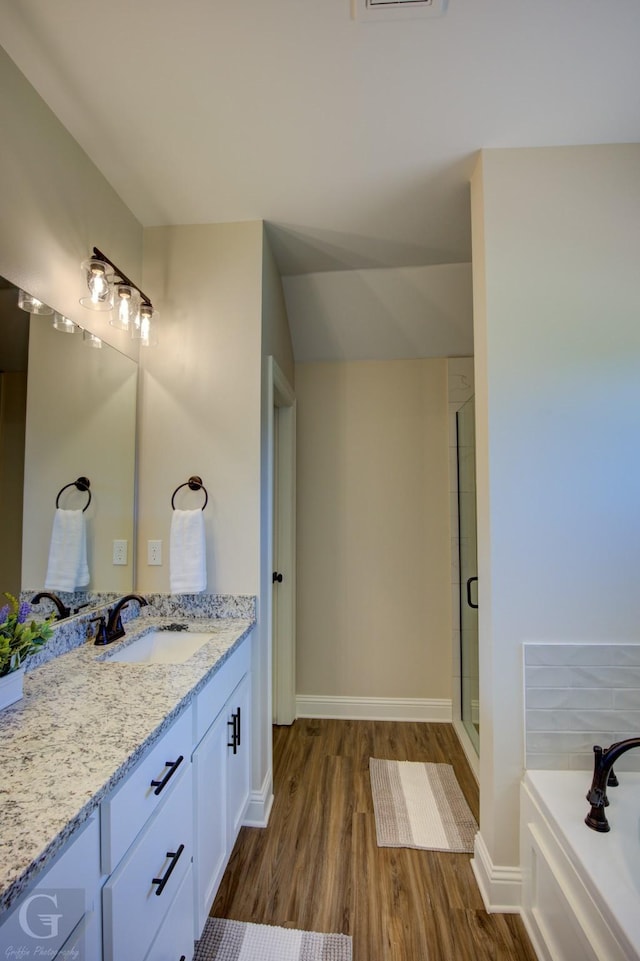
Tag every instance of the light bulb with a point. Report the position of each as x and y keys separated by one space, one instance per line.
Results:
x=144 y=326
x=99 y=285
x=127 y=299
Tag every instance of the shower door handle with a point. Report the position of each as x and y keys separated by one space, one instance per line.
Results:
x=469 y=583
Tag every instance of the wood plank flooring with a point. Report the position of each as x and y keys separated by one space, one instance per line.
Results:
x=317 y=865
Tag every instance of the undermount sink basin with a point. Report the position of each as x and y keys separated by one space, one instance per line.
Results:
x=162 y=647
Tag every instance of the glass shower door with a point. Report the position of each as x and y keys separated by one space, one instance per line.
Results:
x=469 y=665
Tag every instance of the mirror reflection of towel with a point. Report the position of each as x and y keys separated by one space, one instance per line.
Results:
x=187 y=553
x=67 y=568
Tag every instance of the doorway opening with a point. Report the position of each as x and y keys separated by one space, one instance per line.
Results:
x=283 y=548
x=468 y=556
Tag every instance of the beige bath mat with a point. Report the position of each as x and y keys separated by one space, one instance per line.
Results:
x=224 y=940
x=420 y=805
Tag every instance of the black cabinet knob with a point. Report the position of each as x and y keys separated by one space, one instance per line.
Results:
x=277 y=577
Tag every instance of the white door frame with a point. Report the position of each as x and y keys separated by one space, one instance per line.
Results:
x=282 y=405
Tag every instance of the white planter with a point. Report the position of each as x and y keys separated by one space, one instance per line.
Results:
x=11 y=687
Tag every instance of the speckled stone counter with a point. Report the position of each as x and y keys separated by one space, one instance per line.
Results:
x=82 y=724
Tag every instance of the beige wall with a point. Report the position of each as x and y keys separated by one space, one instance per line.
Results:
x=556 y=234
x=276 y=336
x=81 y=422
x=202 y=412
x=199 y=405
x=381 y=313
x=55 y=206
x=373 y=530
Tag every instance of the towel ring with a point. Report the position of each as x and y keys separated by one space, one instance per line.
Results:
x=195 y=484
x=83 y=484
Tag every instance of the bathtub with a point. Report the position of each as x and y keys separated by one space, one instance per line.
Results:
x=581 y=889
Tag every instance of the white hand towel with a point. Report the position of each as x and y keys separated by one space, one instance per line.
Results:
x=67 y=568
x=188 y=553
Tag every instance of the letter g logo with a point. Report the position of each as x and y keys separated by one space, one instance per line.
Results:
x=48 y=922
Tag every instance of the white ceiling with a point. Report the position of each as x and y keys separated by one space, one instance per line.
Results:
x=355 y=141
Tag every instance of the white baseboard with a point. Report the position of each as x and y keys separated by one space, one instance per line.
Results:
x=500 y=886
x=374 y=708
x=468 y=748
x=260 y=804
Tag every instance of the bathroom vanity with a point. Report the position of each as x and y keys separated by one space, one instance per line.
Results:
x=124 y=787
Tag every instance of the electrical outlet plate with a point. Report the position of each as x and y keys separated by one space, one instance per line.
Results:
x=154 y=553
x=120 y=552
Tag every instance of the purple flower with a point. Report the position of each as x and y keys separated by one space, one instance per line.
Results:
x=4 y=613
x=23 y=612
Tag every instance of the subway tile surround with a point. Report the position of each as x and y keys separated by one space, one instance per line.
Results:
x=578 y=695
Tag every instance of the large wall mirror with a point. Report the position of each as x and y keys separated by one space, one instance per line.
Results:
x=67 y=410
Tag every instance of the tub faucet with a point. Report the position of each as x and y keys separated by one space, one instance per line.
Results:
x=62 y=611
x=113 y=629
x=603 y=777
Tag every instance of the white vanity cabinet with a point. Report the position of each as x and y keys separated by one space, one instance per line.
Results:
x=221 y=770
x=61 y=912
x=136 y=880
x=147 y=832
x=238 y=757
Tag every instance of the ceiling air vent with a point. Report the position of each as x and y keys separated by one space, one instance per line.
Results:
x=396 y=9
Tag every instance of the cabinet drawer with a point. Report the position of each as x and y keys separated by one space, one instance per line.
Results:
x=134 y=903
x=64 y=893
x=125 y=812
x=174 y=940
x=212 y=697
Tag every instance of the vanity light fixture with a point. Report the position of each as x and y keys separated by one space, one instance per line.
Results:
x=99 y=284
x=62 y=323
x=90 y=340
x=126 y=305
x=144 y=327
x=133 y=311
x=32 y=305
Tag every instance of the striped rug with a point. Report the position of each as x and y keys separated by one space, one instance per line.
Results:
x=420 y=805
x=224 y=940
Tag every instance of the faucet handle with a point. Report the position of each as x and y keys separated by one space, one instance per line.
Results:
x=101 y=630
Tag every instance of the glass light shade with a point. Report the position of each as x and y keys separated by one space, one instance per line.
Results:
x=62 y=323
x=99 y=279
x=32 y=305
x=90 y=340
x=144 y=328
x=126 y=305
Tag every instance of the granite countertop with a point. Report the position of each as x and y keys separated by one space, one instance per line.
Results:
x=82 y=724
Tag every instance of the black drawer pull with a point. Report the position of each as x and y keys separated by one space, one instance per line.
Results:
x=234 y=734
x=173 y=767
x=161 y=882
x=234 y=723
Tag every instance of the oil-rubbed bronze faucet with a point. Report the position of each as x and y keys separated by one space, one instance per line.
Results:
x=603 y=777
x=63 y=611
x=113 y=629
